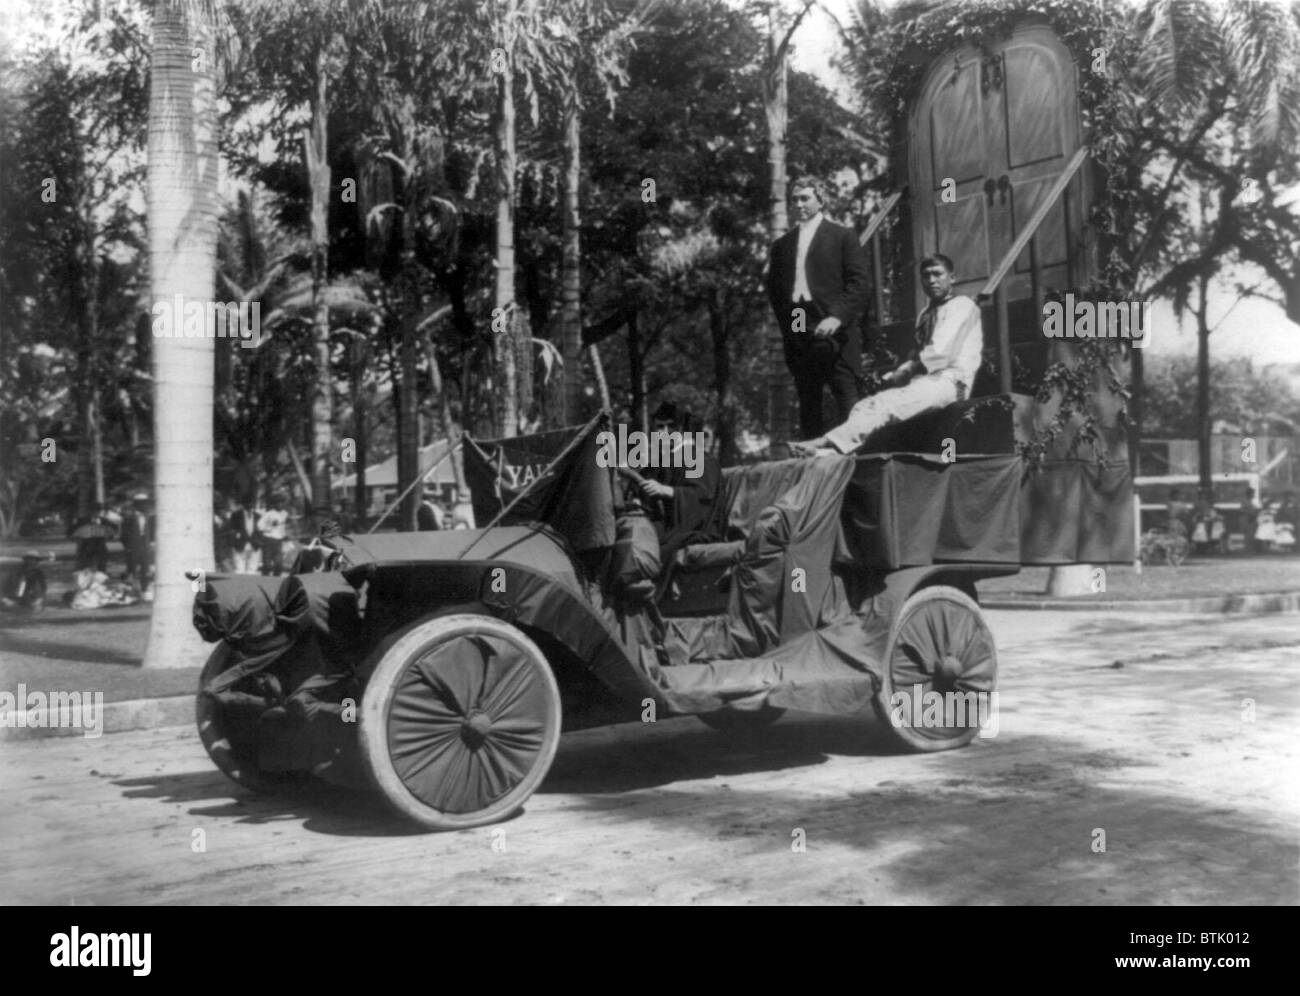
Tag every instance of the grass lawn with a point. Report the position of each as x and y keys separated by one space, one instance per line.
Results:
x=95 y=650
x=101 y=649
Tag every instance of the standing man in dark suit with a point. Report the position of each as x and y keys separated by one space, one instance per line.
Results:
x=817 y=283
x=245 y=540
x=136 y=537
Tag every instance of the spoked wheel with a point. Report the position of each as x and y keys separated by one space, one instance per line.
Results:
x=939 y=671
x=738 y=724
x=460 y=721
x=234 y=755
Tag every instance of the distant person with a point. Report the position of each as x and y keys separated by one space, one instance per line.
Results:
x=817 y=284
x=136 y=539
x=1179 y=511
x=462 y=513
x=92 y=534
x=1250 y=509
x=1207 y=523
x=273 y=525
x=220 y=536
x=343 y=518
x=940 y=371
x=245 y=540
x=429 y=516
x=1289 y=511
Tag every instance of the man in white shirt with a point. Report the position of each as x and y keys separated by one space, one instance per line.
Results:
x=273 y=526
x=817 y=285
x=939 y=371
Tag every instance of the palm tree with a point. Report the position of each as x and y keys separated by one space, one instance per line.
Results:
x=1215 y=71
x=505 y=315
x=780 y=34
x=532 y=41
x=182 y=210
x=607 y=37
x=299 y=50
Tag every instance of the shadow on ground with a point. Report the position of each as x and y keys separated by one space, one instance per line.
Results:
x=986 y=824
x=321 y=808
x=1022 y=833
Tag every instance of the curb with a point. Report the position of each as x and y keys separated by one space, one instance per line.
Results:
x=118 y=717
x=1276 y=601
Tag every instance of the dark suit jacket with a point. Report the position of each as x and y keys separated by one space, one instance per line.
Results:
x=694 y=507
x=837 y=271
x=241 y=529
x=135 y=530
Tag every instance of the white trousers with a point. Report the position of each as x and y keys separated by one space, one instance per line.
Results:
x=247 y=560
x=922 y=394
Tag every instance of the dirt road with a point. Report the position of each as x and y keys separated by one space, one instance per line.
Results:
x=1176 y=736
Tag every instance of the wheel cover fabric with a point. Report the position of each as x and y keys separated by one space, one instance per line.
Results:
x=467 y=721
x=931 y=632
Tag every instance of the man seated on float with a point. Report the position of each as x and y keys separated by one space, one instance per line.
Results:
x=682 y=506
x=940 y=370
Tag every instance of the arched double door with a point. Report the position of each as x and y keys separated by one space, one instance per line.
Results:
x=1001 y=124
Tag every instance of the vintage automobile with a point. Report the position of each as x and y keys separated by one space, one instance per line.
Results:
x=441 y=667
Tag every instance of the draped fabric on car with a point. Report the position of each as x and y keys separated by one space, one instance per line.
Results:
x=240 y=609
x=1077 y=512
x=790 y=638
x=300 y=629
x=575 y=496
x=905 y=510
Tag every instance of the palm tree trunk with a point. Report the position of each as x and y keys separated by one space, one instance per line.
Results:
x=408 y=414
x=315 y=143
x=96 y=447
x=1136 y=409
x=780 y=413
x=448 y=427
x=182 y=217
x=570 y=268
x=504 y=299
x=636 y=372
x=598 y=369
x=94 y=434
x=776 y=113
x=1203 y=458
x=360 y=349
x=721 y=335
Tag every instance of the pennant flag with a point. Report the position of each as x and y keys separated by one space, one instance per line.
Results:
x=575 y=496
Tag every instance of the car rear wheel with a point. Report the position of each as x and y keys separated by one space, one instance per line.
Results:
x=235 y=754
x=460 y=721
x=939 y=673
